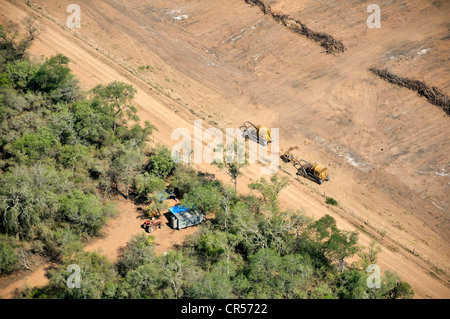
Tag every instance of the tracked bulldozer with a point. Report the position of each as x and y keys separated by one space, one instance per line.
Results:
x=315 y=172
x=257 y=133
x=287 y=157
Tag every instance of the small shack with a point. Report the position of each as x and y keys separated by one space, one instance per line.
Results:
x=165 y=195
x=183 y=217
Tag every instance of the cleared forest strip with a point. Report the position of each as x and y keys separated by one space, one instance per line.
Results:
x=432 y=94
x=330 y=44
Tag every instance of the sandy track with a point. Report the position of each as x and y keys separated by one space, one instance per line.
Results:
x=225 y=80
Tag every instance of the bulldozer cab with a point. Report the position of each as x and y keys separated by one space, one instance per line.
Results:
x=260 y=134
x=266 y=133
x=320 y=171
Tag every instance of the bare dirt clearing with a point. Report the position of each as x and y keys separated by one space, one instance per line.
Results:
x=225 y=62
x=116 y=234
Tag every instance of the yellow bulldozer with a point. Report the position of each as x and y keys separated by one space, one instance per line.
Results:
x=288 y=157
x=315 y=172
x=257 y=133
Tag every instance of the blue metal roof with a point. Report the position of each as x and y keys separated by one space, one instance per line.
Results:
x=178 y=209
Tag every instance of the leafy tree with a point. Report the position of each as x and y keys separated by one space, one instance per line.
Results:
x=263 y=274
x=219 y=244
x=207 y=198
x=118 y=97
x=322 y=229
x=136 y=134
x=260 y=232
x=215 y=284
x=76 y=157
x=322 y=291
x=85 y=212
x=29 y=195
x=92 y=123
x=55 y=78
x=20 y=72
x=98 y=279
x=8 y=258
x=402 y=290
x=126 y=166
x=341 y=245
x=35 y=146
x=273 y=276
x=393 y=288
x=353 y=285
x=184 y=180
x=143 y=282
x=146 y=185
x=178 y=274
x=369 y=255
x=229 y=199
x=270 y=191
x=61 y=243
x=325 y=241
x=140 y=251
x=295 y=273
x=160 y=163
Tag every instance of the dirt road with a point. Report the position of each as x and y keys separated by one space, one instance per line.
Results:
x=386 y=148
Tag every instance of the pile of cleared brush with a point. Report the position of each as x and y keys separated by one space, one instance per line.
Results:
x=432 y=94
x=330 y=44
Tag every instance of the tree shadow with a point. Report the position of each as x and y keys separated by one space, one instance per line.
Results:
x=142 y=214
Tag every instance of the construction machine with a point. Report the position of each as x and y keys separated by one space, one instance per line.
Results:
x=259 y=134
x=151 y=225
x=153 y=213
x=315 y=172
x=288 y=157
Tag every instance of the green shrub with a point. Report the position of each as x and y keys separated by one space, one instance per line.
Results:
x=331 y=201
x=184 y=180
x=160 y=164
x=146 y=184
x=140 y=250
x=20 y=72
x=207 y=198
x=85 y=212
x=8 y=258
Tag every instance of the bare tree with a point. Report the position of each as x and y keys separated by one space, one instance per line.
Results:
x=32 y=28
x=231 y=164
x=13 y=44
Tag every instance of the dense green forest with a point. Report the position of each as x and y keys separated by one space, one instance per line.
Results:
x=64 y=153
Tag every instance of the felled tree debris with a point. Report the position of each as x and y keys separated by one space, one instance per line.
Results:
x=330 y=44
x=432 y=94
